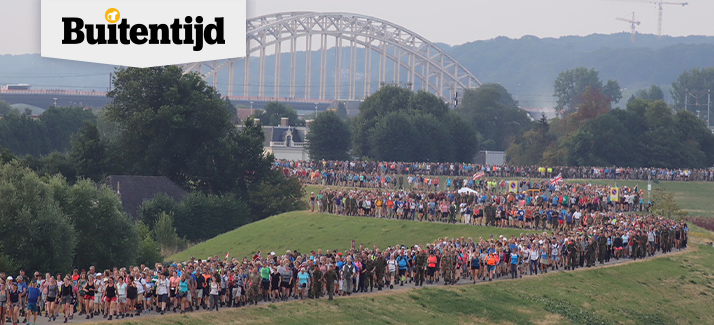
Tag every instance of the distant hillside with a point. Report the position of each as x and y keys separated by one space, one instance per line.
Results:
x=527 y=66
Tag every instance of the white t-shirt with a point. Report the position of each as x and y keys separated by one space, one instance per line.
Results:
x=162 y=287
x=577 y=215
x=140 y=285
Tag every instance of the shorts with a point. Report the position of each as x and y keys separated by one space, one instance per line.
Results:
x=3 y=304
x=475 y=266
x=285 y=285
x=163 y=298
x=237 y=292
x=199 y=293
x=543 y=261
x=431 y=270
x=555 y=258
x=88 y=297
x=14 y=305
x=172 y=293
x=122 y=299
x=264 y=284
x=97 y=298
x=67 y=300
x=33 y=308
x=140 y=296
x=303 y=285
x=182 y=294
x=222 y=292
x=491 y=268
x=402 y=272
x=108 y=299
x=618 y=248
x=51 y=299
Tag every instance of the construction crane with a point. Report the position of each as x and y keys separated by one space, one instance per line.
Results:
x=659 y=3
x=632 y=22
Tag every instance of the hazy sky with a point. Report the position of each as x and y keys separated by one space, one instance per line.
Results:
x=447 y=21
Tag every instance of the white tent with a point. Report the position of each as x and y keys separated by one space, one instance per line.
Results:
x=466 y=190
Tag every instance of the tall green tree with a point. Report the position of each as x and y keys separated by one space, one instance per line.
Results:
x=273 y=112
x=329 y=137
x=571 y=84
x=654 y=93
x=694 y=84
x=528 y=148
x=106 y=236
x=61 y=123
x=494 y=114
x=36 y=235
x=175 y=125
x=90 y=153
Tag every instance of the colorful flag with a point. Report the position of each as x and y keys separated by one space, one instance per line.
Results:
x=478 y=176
x=614 y=194
x=226 y=256
x=556 y=179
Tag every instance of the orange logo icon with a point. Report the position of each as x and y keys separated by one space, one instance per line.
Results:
x=112 y=15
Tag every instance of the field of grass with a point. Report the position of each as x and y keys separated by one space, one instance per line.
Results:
x=307 y=231
x=677 y=289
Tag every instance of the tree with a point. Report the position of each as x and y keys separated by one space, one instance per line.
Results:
x=399 y=125
x=175 y=125
x=528 y=148
x=696 y=82
x=149 y=250
x=97 y=216
x=276 y=194
x=342 y=110
x=374 y=108
x=664 y=205
x=391 y=139
x=273 y=112
x=654 y=93
x=90 y=153
x=5 y=107
x=329 y=138
x=37 y=234
x=166 y=235
x=494 y=114
x=22 y=135
x=571 y=84
x=61 y=123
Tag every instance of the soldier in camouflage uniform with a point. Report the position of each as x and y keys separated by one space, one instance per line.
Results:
x=446 y=262
x=602 y=247
x=380 y=266
x=330 y=278
x=255 y=280
x=590 y=252
x=368 y=268
x=420 y=264
x=572 y=249
x=317 y=280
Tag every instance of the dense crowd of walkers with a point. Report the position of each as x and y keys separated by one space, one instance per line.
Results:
x=571 y=226
x=347 y=171
x=216 y=283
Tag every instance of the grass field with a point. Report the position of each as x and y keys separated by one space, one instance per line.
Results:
x=677 y=289
x=307 y=231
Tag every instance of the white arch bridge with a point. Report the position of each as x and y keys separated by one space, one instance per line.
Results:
x=342 y=56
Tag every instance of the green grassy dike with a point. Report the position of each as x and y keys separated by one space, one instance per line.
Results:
x=307 y=231
x=675 y=289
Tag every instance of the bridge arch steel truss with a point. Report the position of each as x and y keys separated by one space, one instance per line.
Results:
x=412 y=61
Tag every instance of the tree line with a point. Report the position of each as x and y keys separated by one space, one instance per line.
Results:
x=397 y=124
x=160 y=123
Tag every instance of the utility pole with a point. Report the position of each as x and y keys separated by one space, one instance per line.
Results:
x=709 y=104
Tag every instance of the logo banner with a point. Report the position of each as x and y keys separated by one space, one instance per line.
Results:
x=143 y=33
